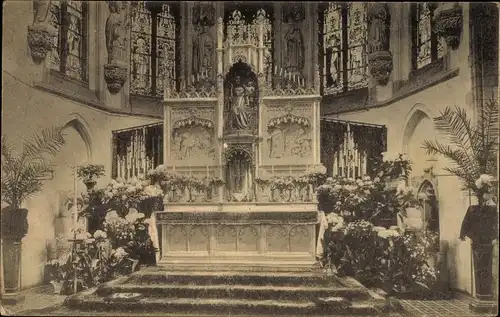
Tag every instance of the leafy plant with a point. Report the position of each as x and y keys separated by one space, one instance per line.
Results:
x=90 y=172
x=471 y=147
x=22 y=173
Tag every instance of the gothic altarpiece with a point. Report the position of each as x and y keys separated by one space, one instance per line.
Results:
x=245 y=107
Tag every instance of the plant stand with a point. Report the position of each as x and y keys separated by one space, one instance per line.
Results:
x=10 y=288
x=483 y=269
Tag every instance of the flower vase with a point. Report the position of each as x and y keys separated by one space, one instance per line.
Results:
x=57 y=286
x=90 y=184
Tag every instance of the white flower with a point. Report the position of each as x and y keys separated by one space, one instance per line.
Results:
x=161 y=168
x=337 y=187
x=366 y=178
x=401 y=189
x=387 y=233
x=111 y=215
x=89 y=240
x=484 y=179
x=99 y=234
x=378 y=229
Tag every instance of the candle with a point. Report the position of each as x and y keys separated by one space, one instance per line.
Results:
x=75 y=199
x=272 y=170
x=281 y=71
x=208 y=173
x=275 y=70
x=290 y=170
x=193 y=79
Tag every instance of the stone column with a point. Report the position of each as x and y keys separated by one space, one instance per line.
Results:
x=380 y=57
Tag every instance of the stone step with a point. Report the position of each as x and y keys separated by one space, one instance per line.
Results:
x=259 y=292
x=87 y=301
x=156 y=276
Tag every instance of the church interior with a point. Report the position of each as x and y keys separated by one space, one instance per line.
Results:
x=242 y=92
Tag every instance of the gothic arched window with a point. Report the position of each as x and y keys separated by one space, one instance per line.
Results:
x=426 y=47
x=69 y=52
x=153 y=48
x=343 y=37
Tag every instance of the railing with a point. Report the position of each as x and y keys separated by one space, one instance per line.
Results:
x=137 y=150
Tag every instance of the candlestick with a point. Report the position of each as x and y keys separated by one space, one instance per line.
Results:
x=281 y=71
x=193 y=78
x=272 y=170
x=208 y=173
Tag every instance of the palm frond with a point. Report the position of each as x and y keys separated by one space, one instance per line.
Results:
x=472 y=148
x=50 y=140
x=456 y=127
x=457 y=156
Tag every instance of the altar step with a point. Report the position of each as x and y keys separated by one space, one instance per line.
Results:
x=156 y=290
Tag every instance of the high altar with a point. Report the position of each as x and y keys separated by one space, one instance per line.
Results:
x=246 y=110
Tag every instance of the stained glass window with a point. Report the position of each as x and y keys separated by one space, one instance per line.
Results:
x=426 y=45
x=344 y=37
x=153 y=48
x=69 y=52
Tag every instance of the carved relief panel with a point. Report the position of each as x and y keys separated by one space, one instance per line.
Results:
x=288 y=135
x=192 y=136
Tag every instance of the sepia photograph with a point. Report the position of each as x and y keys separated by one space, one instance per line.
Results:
x=249 y=158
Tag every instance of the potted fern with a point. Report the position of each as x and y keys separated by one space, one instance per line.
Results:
x=473 y=150
x=21 y=179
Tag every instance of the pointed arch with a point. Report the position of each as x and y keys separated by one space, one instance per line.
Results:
x=78 y=123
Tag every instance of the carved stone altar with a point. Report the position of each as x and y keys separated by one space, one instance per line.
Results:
x=230 y=124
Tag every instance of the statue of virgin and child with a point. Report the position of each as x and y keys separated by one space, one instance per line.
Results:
x=239 y=117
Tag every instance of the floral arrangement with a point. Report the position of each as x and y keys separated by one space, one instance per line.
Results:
x=94 y=262
x=131 y=233
x=379 y=256
x=123 y=194
x=90 y=172
x=360 y=199
x=393 y=166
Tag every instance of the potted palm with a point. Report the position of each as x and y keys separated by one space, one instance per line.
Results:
x=22 y=175
x=473 y=149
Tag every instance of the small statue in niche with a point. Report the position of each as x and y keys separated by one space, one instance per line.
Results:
x=203 y=52
x=115 y=31
x=294 y=50
x=238 y=117
x=41 y=11
x=378 y=28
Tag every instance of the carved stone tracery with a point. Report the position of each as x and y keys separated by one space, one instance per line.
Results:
x=448 y=23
